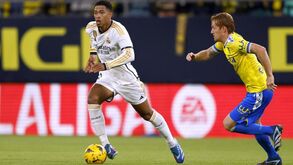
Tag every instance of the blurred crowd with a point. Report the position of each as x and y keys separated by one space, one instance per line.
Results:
x=146 y=8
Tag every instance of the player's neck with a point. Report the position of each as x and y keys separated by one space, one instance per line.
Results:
x=224 y=38
x=105 y=27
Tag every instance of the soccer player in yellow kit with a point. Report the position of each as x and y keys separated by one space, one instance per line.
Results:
x=252 y=64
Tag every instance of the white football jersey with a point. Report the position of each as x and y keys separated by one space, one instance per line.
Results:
x=109 y=46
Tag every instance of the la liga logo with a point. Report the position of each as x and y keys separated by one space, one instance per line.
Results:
x=193 y=111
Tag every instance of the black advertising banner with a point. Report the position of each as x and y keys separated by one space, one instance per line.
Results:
x=56 y=49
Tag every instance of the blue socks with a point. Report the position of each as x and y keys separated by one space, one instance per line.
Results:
x=253 y=129
x=265 y=143
x=262 y=136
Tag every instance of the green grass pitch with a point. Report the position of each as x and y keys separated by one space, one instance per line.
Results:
x=34 y=150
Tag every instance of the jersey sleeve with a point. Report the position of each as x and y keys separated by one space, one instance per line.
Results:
x=90 y=30
x=125 y=42
x=218 y=47
x=123 y=38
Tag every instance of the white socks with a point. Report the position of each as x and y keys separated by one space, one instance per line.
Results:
x=98 y=122
x=159 y=122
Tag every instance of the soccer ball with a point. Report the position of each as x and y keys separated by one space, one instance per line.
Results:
x=95 y=154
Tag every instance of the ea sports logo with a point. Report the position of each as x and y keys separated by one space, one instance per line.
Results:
x=193 y=111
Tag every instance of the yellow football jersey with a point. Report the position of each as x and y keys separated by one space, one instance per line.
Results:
x=245 y=63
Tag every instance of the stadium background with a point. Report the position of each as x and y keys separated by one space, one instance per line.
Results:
x=43 y=89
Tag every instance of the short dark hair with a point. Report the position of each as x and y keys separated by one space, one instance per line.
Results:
x=224 y=19
x=107 y=4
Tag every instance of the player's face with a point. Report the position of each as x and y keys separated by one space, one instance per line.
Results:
x=216 y=31
x=102 y=15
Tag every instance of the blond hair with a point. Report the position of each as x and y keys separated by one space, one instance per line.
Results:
x=224 y=19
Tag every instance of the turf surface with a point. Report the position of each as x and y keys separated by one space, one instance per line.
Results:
x=31 y=150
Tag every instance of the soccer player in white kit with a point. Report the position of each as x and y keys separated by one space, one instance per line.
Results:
x=110 y=54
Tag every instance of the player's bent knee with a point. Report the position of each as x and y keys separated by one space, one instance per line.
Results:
x=144 y=111
x=146 y=116
x=228 y=126
x=93 y=100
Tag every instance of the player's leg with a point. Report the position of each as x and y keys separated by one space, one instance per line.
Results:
x=246 y=119
x=274 y=132
x=241 y=118
x=146 y=112
x=251 y=109
x=134 y=93
x=265 y=143
x=97 y=95
x=262 y=139
x=242 y=127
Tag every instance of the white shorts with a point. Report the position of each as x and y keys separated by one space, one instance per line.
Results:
x=129 y=87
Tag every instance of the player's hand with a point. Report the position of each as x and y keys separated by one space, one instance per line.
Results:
x=98 y=67
x=271 y=83
x=91 y=62
x=190 y=56
x=88 y=67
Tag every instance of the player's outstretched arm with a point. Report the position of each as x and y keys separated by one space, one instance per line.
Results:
x=263 y=57
x=201 y=56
